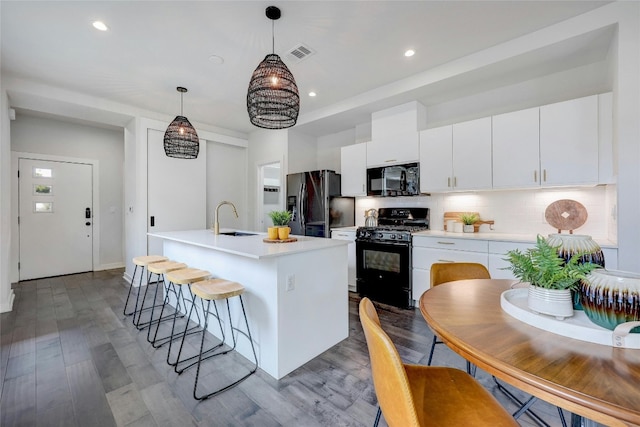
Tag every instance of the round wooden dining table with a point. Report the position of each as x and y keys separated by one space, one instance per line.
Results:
x=598 y=382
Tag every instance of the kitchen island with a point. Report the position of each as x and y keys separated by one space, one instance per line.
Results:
x=296 y=294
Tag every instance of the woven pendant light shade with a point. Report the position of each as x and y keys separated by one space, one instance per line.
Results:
x=181 y=139
x=273 y=101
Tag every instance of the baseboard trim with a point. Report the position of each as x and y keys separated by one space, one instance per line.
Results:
x=8 y=306
x=111 y=266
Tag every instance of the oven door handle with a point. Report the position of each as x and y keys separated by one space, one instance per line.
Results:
x=379 y=243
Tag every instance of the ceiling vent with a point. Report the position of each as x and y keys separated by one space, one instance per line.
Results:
x=299 y=52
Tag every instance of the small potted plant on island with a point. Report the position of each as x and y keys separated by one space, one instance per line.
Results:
x=468 y=220
x=550 y=278
x=280 y=229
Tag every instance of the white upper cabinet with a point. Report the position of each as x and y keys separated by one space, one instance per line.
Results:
x=569 y=142
x=353 y=170
x=456 y=158
x=392 y=149
x=516 y=149
x=436 y=159
x=394 y=134
x=472 y=155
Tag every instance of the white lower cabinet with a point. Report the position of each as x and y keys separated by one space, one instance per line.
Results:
x=349 y=235
x=498 y=252
x=428 y=250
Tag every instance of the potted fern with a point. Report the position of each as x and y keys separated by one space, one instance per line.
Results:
x=280 y=229
x=551 y=279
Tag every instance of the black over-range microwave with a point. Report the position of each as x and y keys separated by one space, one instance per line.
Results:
x=396 y=180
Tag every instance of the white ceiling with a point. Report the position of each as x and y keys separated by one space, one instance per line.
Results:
x=152 y=47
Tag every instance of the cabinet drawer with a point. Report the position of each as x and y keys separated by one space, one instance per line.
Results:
x=424 y=257
x=503 y=247
x=445 y=243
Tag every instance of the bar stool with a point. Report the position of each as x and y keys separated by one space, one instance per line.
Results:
x=160 y=269
x=184 y=277
x=213 y=290
x=142 y=262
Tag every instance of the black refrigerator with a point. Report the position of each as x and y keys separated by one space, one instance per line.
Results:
x=316 y=203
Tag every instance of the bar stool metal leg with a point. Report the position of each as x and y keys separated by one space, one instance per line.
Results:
x=159 y=269
x=142 y=262
x=212 y=290
x=205 y=326
x=181 y=278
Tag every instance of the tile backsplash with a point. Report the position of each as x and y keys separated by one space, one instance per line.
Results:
x=514 y=211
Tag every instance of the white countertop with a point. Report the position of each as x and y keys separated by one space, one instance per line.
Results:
x=506 y=237
x=248 y=246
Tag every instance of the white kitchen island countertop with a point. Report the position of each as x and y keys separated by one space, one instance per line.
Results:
x=247 y=246
x=296 y=297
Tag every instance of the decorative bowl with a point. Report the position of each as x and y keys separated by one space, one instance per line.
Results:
x=571 y=244
x=611 y=297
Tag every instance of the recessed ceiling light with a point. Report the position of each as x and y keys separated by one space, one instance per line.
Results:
x=409 y=52
x=99 y=25
x=215 y=59
x=312 y=94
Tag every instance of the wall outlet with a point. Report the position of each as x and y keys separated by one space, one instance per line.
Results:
x=291 y=282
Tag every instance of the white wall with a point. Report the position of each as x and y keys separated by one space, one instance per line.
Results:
x=329 y=148
x=514 y=212
x=49 y=136
x=569 y=84
x=265 y=146
x=6 y=245
x=227 y=180
x=302 y=150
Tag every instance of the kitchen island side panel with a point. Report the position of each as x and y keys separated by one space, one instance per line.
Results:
x=288 y=327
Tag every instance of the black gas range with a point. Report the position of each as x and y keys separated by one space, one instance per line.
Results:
x=383 y=255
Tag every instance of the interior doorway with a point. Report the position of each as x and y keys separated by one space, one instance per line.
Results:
x=270 y=193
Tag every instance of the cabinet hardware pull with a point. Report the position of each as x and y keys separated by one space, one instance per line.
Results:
x=445 y=260
x=535 y=176
x=449 y=182
x=446 y=243
x=390 y=160
x=544 y=175
x=455 y=181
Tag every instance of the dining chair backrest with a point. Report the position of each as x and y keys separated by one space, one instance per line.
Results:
x=389 y=376
x=442 y=272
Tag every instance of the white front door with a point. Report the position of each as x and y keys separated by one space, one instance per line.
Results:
x=55 y=218
x=176 y=191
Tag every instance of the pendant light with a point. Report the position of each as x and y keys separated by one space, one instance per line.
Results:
x=181 y=139
x=272 y=99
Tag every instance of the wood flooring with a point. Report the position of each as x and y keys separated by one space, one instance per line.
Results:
x=69 y=357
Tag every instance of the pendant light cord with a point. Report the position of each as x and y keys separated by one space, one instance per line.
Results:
x=181 y=113
x=273 y=39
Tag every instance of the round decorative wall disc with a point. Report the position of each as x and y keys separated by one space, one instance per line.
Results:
x=566 y=214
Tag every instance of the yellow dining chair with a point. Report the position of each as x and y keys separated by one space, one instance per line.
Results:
x=442 y=272
x=415 y=395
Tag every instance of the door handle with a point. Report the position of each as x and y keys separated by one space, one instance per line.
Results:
x=87 y=213
x=153 y=221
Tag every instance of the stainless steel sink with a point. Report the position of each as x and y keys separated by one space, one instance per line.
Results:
x=238 y=233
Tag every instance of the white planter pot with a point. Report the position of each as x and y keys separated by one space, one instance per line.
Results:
x=468 y=228
x=554 y=302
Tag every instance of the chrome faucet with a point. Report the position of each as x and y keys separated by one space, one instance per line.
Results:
x=216 y=224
